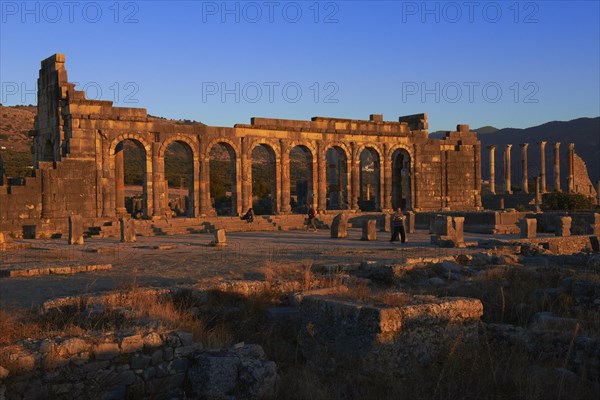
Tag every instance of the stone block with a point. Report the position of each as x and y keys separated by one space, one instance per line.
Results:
x=410 y=222
x=105 y=351
x=127 y=227
x=563 y=226
x=528 y=227
x=369 y=230
x=339 y=226
x=459 y=229
x=131 y=344
x=219 y=238
x=75 y=229
x=384 y=221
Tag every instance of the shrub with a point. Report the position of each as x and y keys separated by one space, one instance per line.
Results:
x=567 y=201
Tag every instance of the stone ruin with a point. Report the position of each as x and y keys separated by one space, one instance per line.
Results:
x=448 y=231
x=78 y=162
x=389 y=341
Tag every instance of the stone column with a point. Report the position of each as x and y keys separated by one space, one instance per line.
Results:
x=159 y=185
x=598 y=193
x=246 y=175
x=492 y=149
x=507 y=184
x=543 y=165
x=571 y=166
x=415 y=191
x=285 y=176
x=205 y=206
x=557 y=166
x=355 y=172
x=119 y=181
x=538 y=194
x=525 y=181
x=322 y=177
x=477 y=181
x=387 y=179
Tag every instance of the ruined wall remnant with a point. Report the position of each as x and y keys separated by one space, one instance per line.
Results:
x=78 y=159
x=389 y=341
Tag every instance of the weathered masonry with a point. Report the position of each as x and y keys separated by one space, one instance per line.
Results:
x=78 y=160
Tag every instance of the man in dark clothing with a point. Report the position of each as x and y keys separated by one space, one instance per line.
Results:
x=398 y=226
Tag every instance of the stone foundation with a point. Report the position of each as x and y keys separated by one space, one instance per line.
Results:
x=391 y=341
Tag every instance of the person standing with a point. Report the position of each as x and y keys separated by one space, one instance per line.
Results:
x=398 y=226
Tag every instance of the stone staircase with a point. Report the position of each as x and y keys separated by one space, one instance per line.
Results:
x=184 y=226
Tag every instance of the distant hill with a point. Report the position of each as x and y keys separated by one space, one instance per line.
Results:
x=583 y=132
x=484 y=130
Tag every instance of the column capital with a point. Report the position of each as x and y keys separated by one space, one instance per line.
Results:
x=524 y=145
x=556 y=145
x=508 y=146
x=571 y=146
x=491 y=147
x=542 y=143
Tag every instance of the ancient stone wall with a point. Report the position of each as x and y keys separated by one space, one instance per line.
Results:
x=146 y=365
x=78 y=156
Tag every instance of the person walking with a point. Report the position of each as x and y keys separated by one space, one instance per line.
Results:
x=310 y=219
x=398 y=226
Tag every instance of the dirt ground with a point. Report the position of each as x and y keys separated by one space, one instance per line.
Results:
x=183 y=260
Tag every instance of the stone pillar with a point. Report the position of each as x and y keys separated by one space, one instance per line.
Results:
x=160 y=192
x=75 y=229
x=369 y=230
x=538 y=194
x=127 y=227
x=339 y=226
x=285 y=176
x=557 y=166
x=492 y=149
x=543 y=165
x=571 y=177
x=246 y=175
x=477 y=181
x=525 y=181
x=598 y=193
x=205 y=206
x=322 y=177
x=119 y=181
x=355 y=173
x=387 y=179
x=507 y=184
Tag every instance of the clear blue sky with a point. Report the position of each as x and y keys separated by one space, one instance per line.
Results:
x=507 y=64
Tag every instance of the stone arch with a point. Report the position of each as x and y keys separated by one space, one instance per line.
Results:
x=274 y=145
x=337 y=164
x=191 y=143
x=178 y=204
x=402 y=167
x=370 y=177
x=218 y=189
x=233 y=144
x=303 y=179
x=265 y=178
x=117 y=165
x=364 y=146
